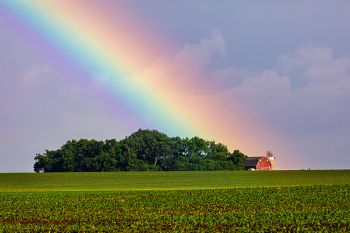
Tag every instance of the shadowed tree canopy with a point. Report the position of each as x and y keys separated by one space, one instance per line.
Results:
x=144 y=150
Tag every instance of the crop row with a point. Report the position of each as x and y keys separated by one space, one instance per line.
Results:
x=304 y=208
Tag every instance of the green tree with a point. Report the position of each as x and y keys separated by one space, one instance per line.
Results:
x=143 y=150
x=238 y=158
x=150 y=146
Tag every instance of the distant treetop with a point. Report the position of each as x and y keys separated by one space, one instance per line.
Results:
x=144 y=150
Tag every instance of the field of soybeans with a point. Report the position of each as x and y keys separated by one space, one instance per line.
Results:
x=236 y=201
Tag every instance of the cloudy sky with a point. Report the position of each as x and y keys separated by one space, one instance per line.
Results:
x=286 y=63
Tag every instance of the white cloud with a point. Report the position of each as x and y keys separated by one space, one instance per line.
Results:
x=304 y=98
x=265 y=87
x=201 y=54
x=274 y=93
x=189 y=65
x=226 y=78
x=271 y=93
x=303 y=57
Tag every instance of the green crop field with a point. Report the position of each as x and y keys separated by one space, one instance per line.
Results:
x=280 y=201
x=127 y=181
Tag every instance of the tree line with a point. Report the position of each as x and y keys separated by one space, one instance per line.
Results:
x=144 y=150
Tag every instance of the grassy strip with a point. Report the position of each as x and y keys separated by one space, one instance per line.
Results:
x=126 y=181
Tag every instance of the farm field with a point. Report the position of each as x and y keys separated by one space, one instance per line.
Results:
x=186 y=180
x=252 y=202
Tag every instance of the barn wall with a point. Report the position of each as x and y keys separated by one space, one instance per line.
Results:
x=264 y=164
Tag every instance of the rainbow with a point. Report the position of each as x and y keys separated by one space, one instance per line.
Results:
x=113 y=46
x=112 y=55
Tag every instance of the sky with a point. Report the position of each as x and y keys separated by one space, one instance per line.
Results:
x=254 y=75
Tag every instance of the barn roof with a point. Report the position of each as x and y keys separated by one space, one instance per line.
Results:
x=251 y=161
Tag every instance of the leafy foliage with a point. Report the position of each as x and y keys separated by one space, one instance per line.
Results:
x=144 y=150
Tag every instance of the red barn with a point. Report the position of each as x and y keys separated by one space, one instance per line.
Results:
x=257 y=163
